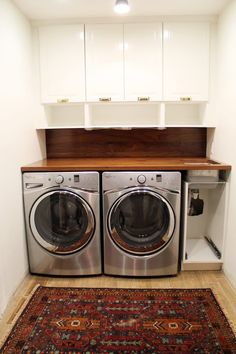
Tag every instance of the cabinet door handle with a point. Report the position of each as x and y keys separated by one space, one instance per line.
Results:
x=185 y=98
x=62 y=100
x=144 y=98
x=104 y=99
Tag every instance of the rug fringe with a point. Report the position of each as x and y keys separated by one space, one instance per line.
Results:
x=22 y=307
x=225 y=311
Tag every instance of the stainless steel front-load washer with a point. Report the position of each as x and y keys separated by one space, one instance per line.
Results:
x=141 y=223
x=62 y=222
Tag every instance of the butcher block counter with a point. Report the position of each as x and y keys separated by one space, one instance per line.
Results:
x=125 y=164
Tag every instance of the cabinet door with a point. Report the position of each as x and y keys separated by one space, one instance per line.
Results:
x=104 y=62
x=143 y=61
x=62 y=63
x=186 y=61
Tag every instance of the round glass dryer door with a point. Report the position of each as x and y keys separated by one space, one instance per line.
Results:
x=141 y=222
x=62 y=222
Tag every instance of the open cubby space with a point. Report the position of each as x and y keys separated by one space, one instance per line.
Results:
x=105 y=115
x=184 y=114
x=204 y=221
x=62 y=116
x=124 y=115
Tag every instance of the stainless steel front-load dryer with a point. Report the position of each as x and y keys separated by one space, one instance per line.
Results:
x=62 y=222
x=141 y=223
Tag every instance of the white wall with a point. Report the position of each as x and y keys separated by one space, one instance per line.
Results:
x=224 y=145
x=19 y=142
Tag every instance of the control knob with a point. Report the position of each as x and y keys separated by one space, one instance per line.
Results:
x=141 y=179
x=59 y=179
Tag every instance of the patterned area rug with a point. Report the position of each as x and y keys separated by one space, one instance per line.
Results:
x=73 y=320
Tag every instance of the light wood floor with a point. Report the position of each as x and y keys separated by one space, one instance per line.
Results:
x=215 y=280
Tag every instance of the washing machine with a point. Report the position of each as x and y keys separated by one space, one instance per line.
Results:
x=141 y=223
x=62 y=218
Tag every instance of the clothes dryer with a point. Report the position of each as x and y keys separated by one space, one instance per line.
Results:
x=62 y=221
x=141 y=223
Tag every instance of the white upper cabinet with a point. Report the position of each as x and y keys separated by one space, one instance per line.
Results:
x=166 y=64
x=186 y=61
x=143 y=61
x=62 y=66
x=104 y=62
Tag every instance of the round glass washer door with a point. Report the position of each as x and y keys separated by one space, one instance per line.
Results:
x=62 y=222
x=141 y=222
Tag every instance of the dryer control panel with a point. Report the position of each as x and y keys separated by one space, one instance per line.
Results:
x=159 y=179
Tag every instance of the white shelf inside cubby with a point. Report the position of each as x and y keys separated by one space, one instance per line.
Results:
x=123 y=127
x=199 y=251
x=43 y=127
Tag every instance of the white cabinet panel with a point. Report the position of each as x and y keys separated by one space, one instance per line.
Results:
x=143 y=61
x=104 y=62
x=186 y=61
x=62 y=63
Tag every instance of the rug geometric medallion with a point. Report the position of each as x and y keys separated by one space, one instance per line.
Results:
x=88 y=320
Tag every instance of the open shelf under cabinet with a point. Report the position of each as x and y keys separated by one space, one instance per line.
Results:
x=124 y=115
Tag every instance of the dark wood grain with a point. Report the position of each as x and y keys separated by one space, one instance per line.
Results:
x=170 y=142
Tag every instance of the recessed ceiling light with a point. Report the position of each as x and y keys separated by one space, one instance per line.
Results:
x=121 y=7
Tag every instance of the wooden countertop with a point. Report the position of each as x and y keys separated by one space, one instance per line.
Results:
x=125 y=163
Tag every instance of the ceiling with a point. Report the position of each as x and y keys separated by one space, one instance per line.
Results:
x=67 y=9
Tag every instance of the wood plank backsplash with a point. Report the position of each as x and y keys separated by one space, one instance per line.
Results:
x=170 y=142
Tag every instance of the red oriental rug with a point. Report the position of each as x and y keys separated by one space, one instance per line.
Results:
x=73 y=320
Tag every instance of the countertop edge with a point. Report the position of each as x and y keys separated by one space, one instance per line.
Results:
x=124 y=164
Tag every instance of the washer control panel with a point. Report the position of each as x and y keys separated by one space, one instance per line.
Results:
x=141 y=179
x=76 y=179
